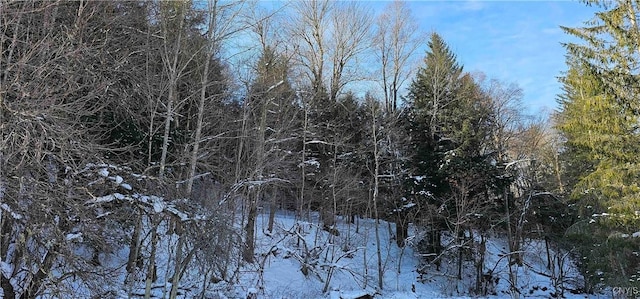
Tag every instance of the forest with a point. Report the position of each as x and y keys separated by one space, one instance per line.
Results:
x=134 y=153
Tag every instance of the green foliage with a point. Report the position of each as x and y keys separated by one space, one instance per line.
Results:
x=609 y=132
x=449 y=123
x=600 y=131
x=599 y=121
x=430 y=96
x=605 y=258
x=611 y=47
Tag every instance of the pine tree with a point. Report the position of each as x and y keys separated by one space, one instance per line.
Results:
x=601 y=156
x=600 y=109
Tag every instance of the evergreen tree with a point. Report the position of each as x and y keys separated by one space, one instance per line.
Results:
x=430 y=96
x=611 y=48
x=599 y=121
x=449 y=125
x=600 y=109
x=600 y=132
x=601 y=158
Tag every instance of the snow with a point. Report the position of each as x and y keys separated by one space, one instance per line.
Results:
x=14 y=215
x=352 y=259
x=318 y=142
x=103 y=172
x=299 y=259
x=311 y=162
x=183 y=216
x=104 y=199
x=425 y=193
x=418 y=178
x=6 y=269
x=74 y=236
x=346 y=266
x=409 y=205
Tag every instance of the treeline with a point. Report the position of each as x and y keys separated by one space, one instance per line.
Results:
x=124 y=123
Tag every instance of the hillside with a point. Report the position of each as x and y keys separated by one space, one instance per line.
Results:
x=301 y=260
x=347 y=266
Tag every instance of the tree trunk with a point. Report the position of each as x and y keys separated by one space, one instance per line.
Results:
x=134 y=246
x=36 y=281
x=151 y=267
x=480 y=280
x=376 y=185
x=402 y=231
x=303 y=164
x=173 y=90
x=460 y=252
x=249 y=248
x=7 y=287
x=175 y=279
x=181 y=263
x=272 y=211
x=203 y=96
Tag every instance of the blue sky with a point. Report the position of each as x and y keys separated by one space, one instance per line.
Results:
x=513 y=41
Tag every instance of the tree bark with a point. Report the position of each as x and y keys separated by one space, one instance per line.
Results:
x=402 y=231
x=134 y=246
x=249 y=248
x=376 y=185
x=31 y=291
x=272 y=211
x=173 y=90
x=151 y=267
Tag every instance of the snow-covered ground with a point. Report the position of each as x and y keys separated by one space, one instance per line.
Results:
x=299 y=259
x=347 y=266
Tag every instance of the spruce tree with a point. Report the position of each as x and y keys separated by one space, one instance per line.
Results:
x=599 y=121
x=430 y=95
x=448 y=123
x=611 y=48
x=600 y=109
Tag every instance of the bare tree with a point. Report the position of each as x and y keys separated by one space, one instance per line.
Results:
x=351 y=37
x=51 y=130
x=171 y=11
x=329 y=38
x=396 y=40
x=375 y=128
x=222 y=18
x=308 y=27
x=506 y=104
